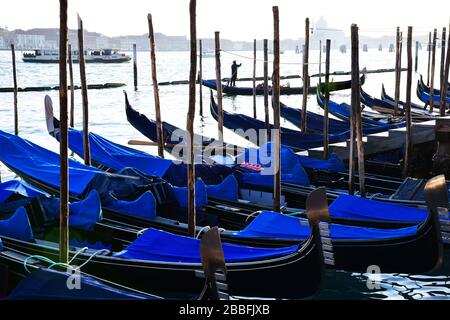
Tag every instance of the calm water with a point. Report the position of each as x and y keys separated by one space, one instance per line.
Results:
x=107 y=117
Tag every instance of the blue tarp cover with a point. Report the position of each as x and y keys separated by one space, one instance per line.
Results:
x=82 y=215
x=17 y=226
x=363 y=209
x=143 y=207
x=35 y=161
x=18 y=187
x=155 y=245
x=227 y=190
x=116 y=156
x=334 y=164
x=52 y=285
x=201 y=197
x=279 y=226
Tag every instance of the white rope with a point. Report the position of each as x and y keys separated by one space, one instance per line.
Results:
x=206 y=228
x=77 y=254
x=92 y=257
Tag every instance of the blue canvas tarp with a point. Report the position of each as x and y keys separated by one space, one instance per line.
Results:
x=13 y=187
x=278 y=226
x=17 y=226
x=156 y=245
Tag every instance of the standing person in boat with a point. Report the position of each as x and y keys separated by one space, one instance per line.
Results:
x=234 y=73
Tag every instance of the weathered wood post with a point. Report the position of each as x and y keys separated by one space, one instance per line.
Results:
x=429 y=58
x=72 y=88
x=409 y=145
x=276 y=111
x=398 y=67
x=200 y=76
x=444 y=86
x=190 y=120
x=320 y=59
x=84 y=94
x=326 y=151
x=441 y=72
x=159 y=128
x=64 y=155
x=16 y=89
x=356 y=106
x=433 y=69
x=266 y=88
x=417 y=56
x=135 y=68
x=254 y=79
x=305 y=77
x=219 y=86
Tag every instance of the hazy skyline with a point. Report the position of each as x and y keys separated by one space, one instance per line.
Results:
x=236 y=19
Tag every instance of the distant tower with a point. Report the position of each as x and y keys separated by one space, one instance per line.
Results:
x=365 y=48
x=391 y=48
x=297 y=50
x=343 y=48
x=380 y=47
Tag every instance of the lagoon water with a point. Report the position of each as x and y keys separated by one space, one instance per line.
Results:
x=107 y=118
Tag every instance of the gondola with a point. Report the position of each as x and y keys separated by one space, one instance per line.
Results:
x=427 y=89
x=164 y=263
x=243 y=91
x=388 y=107
x=415 y=108
x=351 y=248
x=343 y=111
x=424 y=95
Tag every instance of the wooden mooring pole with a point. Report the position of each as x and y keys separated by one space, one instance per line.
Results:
x=219 y=85
x=200 y=76
x=398 y=67
x=190 y=120
x=409 y=144
x=276 y=111
x=433 y=69
x=84 y=94
x=159 y=128
x=72 y=88
x=417 y=57
x=64 y=154
x=326 y=151
x=429 y=58
x=16 y=89
x=266 y=88
x=254 y=79
x=443 y=41
x=135 y=68
x=444 y=86
x=304 y=123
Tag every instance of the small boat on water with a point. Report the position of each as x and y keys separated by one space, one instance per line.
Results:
x=91 y=56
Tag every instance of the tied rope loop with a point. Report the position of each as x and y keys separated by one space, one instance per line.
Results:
x=204 y=229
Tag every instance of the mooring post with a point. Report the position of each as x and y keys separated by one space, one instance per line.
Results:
x=433 y=69
x=64 y=154
x=276 y=111
x=190 y=120
x=326 y=151
x=398 y=67
x=72 y=88
x=320 y=59
x=254 y=79
x=429 y=58
x=441 y=72
x=266 y=88
x=417 y=56
x=135 y=68
x=200 y=76
x=444 y=86
x=219 y=85
x=305 y=77
x=409 y=145
x=356 y=107
x=16 y=89
x=159 y=128
x=84 y=94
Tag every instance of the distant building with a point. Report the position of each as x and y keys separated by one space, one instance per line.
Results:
x=30 y=41
x=103 y=43
x=2 y=43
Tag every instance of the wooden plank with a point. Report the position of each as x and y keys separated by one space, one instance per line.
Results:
x=429 y=58
x=433 y=69
x=266 y=88
x=135 y=68
x=72 y=88
x=398 y=66
x=444 y=76
x=159 y=127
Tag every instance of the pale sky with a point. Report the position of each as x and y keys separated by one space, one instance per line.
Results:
x=236 y=19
